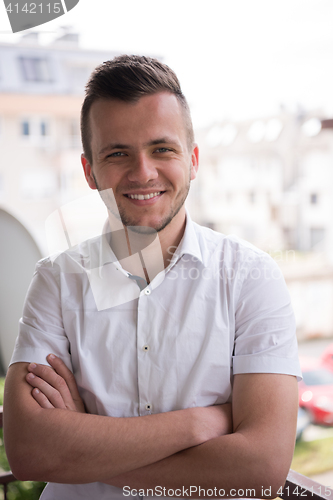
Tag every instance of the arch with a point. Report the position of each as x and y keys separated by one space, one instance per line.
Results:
x=18 y=256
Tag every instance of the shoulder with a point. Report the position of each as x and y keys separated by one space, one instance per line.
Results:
x=230 y=249
x=77 y=259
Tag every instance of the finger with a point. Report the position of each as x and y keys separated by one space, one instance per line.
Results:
x=49 y=392
x=59 y=366
x=41 y=399
x=51 y=384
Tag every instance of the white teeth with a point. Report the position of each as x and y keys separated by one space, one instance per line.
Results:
x=143 y=196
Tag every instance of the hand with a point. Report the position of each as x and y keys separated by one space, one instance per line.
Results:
x=54 y=387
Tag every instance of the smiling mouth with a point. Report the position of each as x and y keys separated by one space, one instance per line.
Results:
x=143 y=196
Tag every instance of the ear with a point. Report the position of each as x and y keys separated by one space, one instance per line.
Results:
x=87 y=168
x=194 y=161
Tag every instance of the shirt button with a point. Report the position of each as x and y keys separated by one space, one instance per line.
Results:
x=145 y=348
x=148 y=406
x=147 y=291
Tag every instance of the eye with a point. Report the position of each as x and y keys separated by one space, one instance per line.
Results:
x=163 y=150
x=115 y=154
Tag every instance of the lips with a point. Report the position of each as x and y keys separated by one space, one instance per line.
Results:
x=135 y=196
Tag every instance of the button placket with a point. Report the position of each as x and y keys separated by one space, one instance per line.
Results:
x=143 y=356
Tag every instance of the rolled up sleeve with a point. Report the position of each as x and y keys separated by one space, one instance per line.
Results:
x=265 y=332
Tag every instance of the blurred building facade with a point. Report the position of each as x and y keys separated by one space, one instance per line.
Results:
x=270 y=181
x=41 y=92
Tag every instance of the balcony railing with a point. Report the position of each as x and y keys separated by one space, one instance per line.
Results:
x=5 y=477
x=297 y=487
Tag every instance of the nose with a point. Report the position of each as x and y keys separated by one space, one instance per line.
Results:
x=142 y=170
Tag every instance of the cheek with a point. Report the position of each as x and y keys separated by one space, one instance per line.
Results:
x=109 y=178
x=179 y=175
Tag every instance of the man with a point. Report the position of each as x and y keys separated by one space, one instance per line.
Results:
x=173 y=344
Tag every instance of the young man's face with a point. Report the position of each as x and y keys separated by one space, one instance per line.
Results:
x=140 y=150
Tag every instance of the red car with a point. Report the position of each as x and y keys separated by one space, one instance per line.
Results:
x=327 y=357
x=316 y=392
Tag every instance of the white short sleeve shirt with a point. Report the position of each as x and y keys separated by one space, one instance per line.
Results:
x=221 y=308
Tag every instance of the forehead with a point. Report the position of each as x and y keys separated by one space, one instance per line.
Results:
x=149 y=118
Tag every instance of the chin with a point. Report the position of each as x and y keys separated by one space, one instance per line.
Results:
x=144 y=224
x=149 y=222
x=141 y=229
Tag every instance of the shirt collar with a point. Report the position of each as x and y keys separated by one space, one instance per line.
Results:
x=189 y=244
x=106 y=254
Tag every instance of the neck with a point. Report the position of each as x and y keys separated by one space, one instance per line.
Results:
x=170 y=238
x=153 y=251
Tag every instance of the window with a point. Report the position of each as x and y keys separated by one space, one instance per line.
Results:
x=313 y=198
x=35 y=69
x=25 y=128
x=317 y=238
x=35 y=129
x=43 y=128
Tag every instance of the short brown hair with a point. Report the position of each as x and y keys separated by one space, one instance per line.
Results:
x=127 y=78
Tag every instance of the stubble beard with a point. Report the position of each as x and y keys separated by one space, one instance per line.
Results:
x=132 y=223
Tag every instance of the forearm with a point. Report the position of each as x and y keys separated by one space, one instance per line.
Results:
x=231 y=466
x=65 y=446
x=61 y=446
x=256 y=456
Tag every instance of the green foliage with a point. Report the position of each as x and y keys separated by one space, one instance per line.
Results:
x=313 y=457
x=19 y=490
x=3 y=460
x=2 y=384
x=26 y=490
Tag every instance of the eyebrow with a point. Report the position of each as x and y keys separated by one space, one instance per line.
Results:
x=154 y=142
